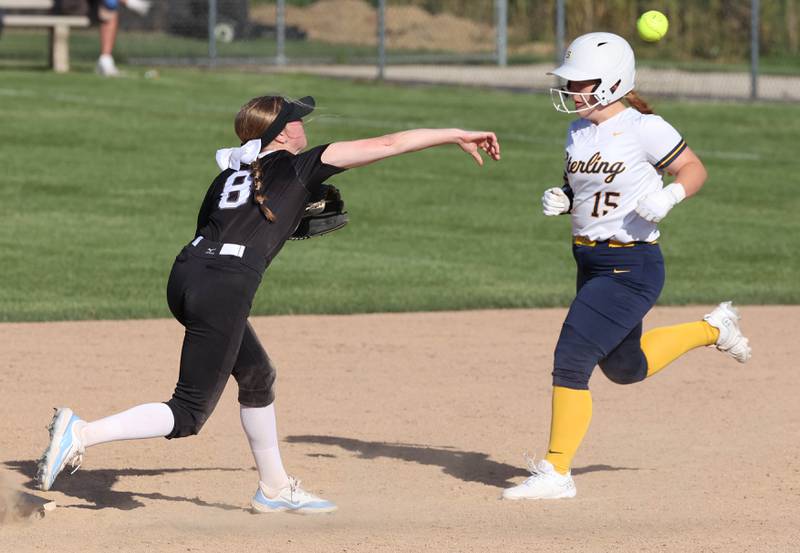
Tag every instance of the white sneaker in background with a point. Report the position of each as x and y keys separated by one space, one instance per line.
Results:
x=106 y=66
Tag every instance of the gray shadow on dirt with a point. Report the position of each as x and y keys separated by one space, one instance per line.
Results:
x=94 y=486
x=469 y=466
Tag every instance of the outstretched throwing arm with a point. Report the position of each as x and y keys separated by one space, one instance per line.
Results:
x=356 y=153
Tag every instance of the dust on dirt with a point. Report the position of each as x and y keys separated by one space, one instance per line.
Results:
x=8 y=502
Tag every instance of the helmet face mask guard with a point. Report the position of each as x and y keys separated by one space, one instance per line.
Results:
x=560 y=97
x=603 y=57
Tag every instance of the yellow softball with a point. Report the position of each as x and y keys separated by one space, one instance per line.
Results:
x=652 y=26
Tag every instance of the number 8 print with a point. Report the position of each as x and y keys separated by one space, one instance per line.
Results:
x=236 y=191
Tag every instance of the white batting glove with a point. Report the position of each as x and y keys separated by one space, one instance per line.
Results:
x=554 y=202
x=655 y=207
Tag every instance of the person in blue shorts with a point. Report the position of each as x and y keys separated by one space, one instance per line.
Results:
x=106 y=14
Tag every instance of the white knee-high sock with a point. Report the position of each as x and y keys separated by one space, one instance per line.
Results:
x=150 y=420
x=262 y=433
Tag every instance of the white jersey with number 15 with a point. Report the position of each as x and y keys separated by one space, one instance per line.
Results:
x=610 y=166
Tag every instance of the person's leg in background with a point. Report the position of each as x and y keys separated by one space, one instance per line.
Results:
x=106 y=12
x=109 y=23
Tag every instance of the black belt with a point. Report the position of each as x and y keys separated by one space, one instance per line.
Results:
x=203 y=247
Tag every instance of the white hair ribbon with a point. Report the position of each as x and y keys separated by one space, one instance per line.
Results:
x=232 y=158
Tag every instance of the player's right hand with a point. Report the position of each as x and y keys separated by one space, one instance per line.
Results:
x=472 y=141
x=554 y=202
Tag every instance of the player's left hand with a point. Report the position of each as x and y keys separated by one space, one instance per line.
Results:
x=555 y=202
x=655 y=207
x=472 y=141
x=324 y=213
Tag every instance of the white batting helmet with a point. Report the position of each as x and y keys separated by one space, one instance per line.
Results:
x=596 y=56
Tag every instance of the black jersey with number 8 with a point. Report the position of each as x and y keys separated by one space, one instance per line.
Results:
x=229 y=213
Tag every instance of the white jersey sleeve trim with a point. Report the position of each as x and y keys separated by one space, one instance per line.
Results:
x=672 y=155
x=661 y=142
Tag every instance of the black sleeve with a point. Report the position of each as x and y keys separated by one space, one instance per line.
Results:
x=568 y=191
x=310 y=169
x=208 y=202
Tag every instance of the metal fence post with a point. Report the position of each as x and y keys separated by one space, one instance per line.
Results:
x=754 y=35
x=560 y=26
x=501 y=26
x=381 y=39
x=212 y=36
x=280 y=32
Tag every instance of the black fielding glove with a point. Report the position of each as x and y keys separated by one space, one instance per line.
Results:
x=324 y=213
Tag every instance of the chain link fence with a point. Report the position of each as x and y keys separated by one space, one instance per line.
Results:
x=724 y=49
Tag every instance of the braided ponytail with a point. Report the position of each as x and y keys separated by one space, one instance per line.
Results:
x=636 y=102
x=259 y=196
x=252 y=120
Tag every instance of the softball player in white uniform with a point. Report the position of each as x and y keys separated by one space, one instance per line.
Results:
x=613 y=189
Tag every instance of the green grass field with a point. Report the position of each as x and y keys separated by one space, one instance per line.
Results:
x=102 y=181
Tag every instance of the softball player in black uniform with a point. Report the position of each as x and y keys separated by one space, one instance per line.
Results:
x=615 y=194
x=249 y=212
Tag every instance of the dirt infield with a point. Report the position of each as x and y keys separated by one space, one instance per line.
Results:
x=412 y=423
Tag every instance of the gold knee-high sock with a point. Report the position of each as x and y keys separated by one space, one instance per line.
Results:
x=662 y=346
x=572 y=413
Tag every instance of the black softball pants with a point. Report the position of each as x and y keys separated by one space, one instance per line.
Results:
x=616 y=287
x=211 y=296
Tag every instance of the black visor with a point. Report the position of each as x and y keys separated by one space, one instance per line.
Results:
x=291 y=110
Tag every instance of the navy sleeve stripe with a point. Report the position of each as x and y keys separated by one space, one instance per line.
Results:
x=670 y=157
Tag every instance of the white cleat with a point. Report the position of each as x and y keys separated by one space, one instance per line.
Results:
x=65 y=447
x=291 y=498
x=545 y=483
x=106 y=66
x=725 y=318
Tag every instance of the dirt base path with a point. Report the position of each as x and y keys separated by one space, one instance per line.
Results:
x=412 y=423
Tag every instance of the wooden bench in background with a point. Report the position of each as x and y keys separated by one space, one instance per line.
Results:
x=59 y=26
